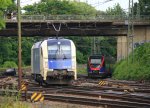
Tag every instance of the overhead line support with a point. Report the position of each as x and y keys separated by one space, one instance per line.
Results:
x=130 y=35
x=19 y=45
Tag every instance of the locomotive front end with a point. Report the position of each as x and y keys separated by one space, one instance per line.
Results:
x=61 y=66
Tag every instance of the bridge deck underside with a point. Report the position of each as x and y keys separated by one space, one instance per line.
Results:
x=90 y=28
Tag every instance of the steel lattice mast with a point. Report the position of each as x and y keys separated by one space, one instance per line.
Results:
x=130 y=35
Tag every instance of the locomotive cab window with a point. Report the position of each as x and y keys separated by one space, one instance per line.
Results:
x=61 y=50
x=96 y=61
x=52 y=49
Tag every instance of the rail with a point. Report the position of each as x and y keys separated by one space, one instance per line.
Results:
x=76 y=17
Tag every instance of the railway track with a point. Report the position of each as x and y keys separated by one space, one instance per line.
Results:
x=110 y=96
x=98 y=102
x=88 y=101
x=74 y=90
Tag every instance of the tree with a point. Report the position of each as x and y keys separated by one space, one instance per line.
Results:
x=142 y=7
x=8 y=50
x=3 y=6
x=116 y=11
x=55 y=7
x=12 y=8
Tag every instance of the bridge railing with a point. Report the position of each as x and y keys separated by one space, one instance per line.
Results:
x=77 y=17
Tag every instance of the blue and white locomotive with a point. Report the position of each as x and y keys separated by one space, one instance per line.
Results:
x=53 y=61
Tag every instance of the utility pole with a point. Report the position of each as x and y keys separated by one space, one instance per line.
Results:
x=19 y=45
x=130 y=30
x=91 y=45
x=94 y=45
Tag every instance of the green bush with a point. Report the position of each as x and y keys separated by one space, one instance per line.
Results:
x=80 y=58
x=139 y=69
x=9 y=64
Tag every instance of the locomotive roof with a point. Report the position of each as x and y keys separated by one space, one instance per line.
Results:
x=60 y=39
x=37 y=44
x=95 y=56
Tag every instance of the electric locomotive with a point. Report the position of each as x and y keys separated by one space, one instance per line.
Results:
x=96 y=66
x=53 y=61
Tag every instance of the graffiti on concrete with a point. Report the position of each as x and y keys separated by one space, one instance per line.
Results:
x=137 y=44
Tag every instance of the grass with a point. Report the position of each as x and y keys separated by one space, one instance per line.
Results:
x=82 y=69
x=12 y=100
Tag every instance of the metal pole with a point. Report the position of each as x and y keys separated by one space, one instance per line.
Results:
x=91 y=45
x=130 y=31
x=94 y=45
x=19 y=45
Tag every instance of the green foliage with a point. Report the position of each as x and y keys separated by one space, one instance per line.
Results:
x=80 y=57
x=26 y=52
x=3 y=6
x=12 y=7
x=108 y=47
x=55 y=7
x=139 y=70
x=82 y=69
x=12 y=100
x=116 y=10
x=9 y=64
x=2 y=23
x=9 y=49
x=142 y=7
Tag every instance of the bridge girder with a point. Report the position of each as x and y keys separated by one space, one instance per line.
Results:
x=71 y=28
x=63 y=32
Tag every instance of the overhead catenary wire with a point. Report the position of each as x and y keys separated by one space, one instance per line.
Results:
x=57 y=30
x=100 y=3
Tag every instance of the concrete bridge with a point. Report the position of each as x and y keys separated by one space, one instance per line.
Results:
x=69 y=25
x=81 y=25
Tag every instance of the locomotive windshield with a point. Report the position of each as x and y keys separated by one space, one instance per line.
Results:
x=59 y=50
x=96 y=61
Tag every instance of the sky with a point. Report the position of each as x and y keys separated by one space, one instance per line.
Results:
x=98 y=4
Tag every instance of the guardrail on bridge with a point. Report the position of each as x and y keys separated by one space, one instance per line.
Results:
x=76 y=17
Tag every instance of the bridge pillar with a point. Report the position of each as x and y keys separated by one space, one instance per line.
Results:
x=121 y=47
x=141 y=35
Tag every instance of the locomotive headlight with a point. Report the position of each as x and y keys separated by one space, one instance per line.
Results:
x=58 y=43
